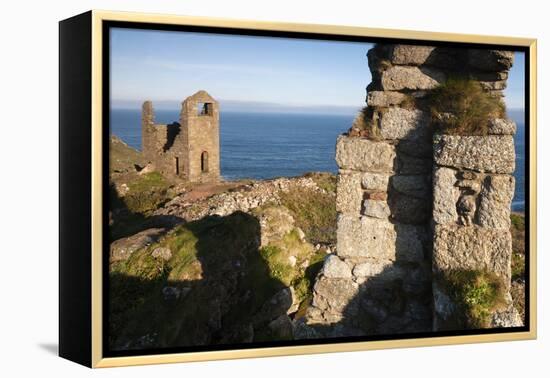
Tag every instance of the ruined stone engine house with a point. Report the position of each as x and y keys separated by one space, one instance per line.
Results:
x=188 y=149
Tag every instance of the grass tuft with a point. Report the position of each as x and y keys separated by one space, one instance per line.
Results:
x=478 y=293
x=146 y=193
x=461 y=107
x=314 y=213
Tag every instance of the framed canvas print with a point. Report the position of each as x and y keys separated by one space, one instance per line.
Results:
x=235 y=189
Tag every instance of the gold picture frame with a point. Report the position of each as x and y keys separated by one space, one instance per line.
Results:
x=93 y=24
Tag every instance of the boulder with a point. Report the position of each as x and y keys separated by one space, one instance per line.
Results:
x=281 y=328
x=122 y=249
x=333 y=267
x=335 y=293
x=276 y=306
x=508 y=317
x=162 y=253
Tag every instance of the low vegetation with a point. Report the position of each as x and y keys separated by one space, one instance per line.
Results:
x=518 y=262
x=461 y=107
x=478 y=293
x=146 y=193
x=216 y=272
x=365 y=125
x=314 y=211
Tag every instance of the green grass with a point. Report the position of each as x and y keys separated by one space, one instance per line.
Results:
x=518 y=246
x=461 y=107
x=324 y=180
x=518 y=221
x=364 y=124
x=203 y=258
x=147 y=193
x=477 y=293
x=314 y=213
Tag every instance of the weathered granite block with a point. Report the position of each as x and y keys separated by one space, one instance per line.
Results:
x=399 y=123
x=364 y=155
x=496 y=199
x=410 y=54
x=375 y=181
x=491 y=153
x=380 y=239
x=365 y=237
x=502 y=126
x=398 y=78
x=333 y=267
x=334 y=293
x=473 y=247
x=349 y=194
x=445 y=196
x=384 y=98
x=376 y=209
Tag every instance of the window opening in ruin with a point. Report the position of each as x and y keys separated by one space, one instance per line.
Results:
x=204 y=108
x=177 y=165
x=204 y=162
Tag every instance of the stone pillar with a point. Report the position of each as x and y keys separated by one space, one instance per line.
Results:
x=148 y=137
x=473 y=188
x=379 y=279
x=473 y=191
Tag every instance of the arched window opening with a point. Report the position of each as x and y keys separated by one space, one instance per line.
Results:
x=204 y=162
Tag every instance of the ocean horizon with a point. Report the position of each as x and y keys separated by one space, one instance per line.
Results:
x=265 y=145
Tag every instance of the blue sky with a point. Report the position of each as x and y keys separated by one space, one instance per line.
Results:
x=243 y=72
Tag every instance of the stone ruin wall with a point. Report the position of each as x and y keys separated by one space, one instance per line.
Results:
x=186 y=140
x=162 y=143
x=412 y=204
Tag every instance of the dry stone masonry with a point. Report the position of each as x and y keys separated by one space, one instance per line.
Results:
x=412 y=203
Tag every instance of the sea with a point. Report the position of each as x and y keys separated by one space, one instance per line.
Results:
x=269 y=145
